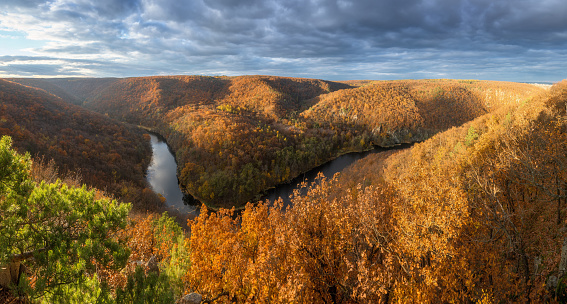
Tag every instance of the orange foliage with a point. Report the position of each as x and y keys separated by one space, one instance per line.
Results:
x=320 y=250
x=474 y=214
x=413 y=110
x=235 y=137
x=106 y=154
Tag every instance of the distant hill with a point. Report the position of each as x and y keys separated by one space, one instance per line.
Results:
x=413 y=110
x=73 y=90
x=269 y=96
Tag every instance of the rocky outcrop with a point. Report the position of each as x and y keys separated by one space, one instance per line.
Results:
x=152 y=264
x=192 y=298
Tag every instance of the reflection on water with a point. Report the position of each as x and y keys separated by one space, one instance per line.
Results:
x=328 y=170
x=162 y=176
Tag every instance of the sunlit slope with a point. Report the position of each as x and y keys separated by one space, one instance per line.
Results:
x=490 y=100
x=269 y=96
x=235 y=137
x=474 y=214
x=491 y=196
x=413 y=110
x=105 y=153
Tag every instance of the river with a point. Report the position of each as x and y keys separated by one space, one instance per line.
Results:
x=328 y=170
x=162 y=176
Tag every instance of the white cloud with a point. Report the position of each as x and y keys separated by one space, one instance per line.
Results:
x=317 y=38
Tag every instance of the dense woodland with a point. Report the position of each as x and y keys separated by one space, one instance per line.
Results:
x=235 y=137
x=105 y=153
x=474 y=213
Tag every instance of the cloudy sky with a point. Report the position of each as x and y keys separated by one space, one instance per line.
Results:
x=515 y=40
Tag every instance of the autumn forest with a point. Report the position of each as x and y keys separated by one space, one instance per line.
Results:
x=474 y=211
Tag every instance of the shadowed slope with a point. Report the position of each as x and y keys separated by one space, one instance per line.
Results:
x=107 y=154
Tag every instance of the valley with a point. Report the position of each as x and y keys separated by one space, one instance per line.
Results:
x=235 y=137
x=449 y=190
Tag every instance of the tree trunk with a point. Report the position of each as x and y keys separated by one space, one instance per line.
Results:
x=10 y=274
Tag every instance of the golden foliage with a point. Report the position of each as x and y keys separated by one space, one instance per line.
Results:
x=473 y=214
x=459 y=218
x=104 y=153
x=235 y=137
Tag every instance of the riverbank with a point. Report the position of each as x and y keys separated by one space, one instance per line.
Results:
x=162 y=176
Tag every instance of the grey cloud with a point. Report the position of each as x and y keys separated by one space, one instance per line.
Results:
x=8 y=59
x=117 y=8
x=174 y=10
x=156 y=28
x=249 y=9
x=37 y=70
x=22 y=3
x=107 y=9
x=322 y=37
x=538 y=23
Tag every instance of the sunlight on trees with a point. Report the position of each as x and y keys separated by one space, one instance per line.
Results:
x=61 y=233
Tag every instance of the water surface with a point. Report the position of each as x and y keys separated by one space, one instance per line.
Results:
x=162 y=176
x=329 y=169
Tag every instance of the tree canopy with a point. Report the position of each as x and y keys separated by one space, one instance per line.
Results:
x=61 y=232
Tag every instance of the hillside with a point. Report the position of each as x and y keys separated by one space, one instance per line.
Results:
x=413 y=110
x=475 y=214
x=235 y=137
x=72 y=90
x=105 y=153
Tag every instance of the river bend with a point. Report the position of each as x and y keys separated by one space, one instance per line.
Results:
x=162 y=176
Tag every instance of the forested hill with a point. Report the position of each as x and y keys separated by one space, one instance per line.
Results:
x=423 y=107
x=144 y=99
x=105 y=153
x=235 y=137
x=72 y=90
x=476 y=213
